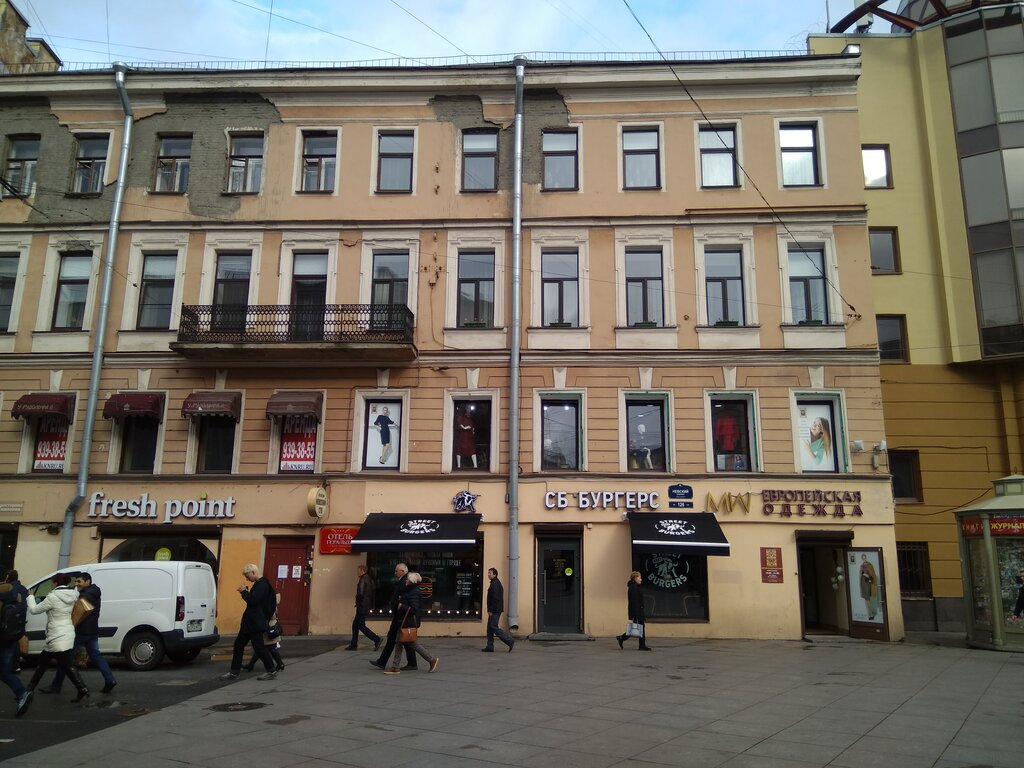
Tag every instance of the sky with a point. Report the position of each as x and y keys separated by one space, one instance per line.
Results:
x=365 y=30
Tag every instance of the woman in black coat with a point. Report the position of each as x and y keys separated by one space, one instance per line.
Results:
x=408 y=612
x=635 y=608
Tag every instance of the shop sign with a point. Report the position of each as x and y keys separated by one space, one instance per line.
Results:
x=12 y=507
x=997 y=526
x=728 y=502
x=337 y=541
x=145 y=508
x=771 y=565
x=680 y=496
x=298 y=444
x=316 y=502
x=51 y=444
x=811 y=503
x=601 y=499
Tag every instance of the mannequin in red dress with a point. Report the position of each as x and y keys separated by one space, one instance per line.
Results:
x=465 y=437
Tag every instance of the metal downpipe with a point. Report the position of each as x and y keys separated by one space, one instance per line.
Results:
x=110 y=248
x=516 y=341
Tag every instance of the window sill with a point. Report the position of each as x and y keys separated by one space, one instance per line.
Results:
x=803 y=186
x=393 y=191
x=314 y=191
x=656 y=188
x=239 y=194
x=720 y=186
x=478 y=191
x=83 y=195
x=559 y=189
x=168 y=192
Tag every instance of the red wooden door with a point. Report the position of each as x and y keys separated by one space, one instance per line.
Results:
x=288 y=564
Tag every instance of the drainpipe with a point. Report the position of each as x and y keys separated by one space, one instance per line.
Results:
x=516 y=340
x=101 y=328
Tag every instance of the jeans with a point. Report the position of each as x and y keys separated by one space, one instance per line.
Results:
x=494 y=630
x=256 y=638
x=8 y=663
x=91 y=643
x=359 y=625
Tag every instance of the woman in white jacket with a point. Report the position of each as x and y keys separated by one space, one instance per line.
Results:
x=60 y=633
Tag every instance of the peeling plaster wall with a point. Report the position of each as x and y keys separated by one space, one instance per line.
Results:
x=545 y=109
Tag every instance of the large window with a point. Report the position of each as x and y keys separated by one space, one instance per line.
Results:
x=817 y=435
x=138 y=444
x=914 y=570
x=309 y=296
x=646 y=444
x=479 y=160
x=157 y=290
x=718 y=156
x=723 y=277
x=90 y=165
x=22 y=159
x=471 y=437
x=452 y=586
x=892 y=338
x=389 y=289
x=996 y=287
x=319 y=160
x=645 y=304
x=394 y=161
x=72 y=291
x=732 y=433
x=8 y=280
x=382 y=436
x=216 y=444
x=673 y=586
x=560 y=289
x=561 y=160
x=231 y=291
x=560 y=433
x=877 y=171
x=641 y=158
x=245 y=174
x=172 y=165
x=51 y=443
x=807 y=287
x=885 y=251
x=798 y=143
x=905 y=468
x=476 y=290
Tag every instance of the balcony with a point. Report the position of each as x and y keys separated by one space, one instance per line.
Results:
x=294 y=333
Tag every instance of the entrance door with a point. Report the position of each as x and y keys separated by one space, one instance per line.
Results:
x=288 y=565
x=823 y=588
x=559 y=604
x=866 y=577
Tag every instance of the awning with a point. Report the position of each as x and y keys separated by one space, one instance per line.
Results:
x=44 y=404
x=149 y=405
x=696 y=533
x=296 y=404
x=384 y=531
x=213 y=404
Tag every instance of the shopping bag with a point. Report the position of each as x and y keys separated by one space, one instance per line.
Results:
x=634 y=630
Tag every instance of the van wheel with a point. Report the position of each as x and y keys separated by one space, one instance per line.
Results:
x=184 y=657
x=144 y=650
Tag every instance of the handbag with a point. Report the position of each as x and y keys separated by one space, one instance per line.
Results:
x=274 y=632
x=633 y=629
x=406 y=634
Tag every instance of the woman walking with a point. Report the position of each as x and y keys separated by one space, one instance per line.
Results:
x=635 y=608
x=60 y=633
x=408 y=609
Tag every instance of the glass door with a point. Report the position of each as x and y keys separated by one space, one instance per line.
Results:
x=309 y=297
x=559 y=606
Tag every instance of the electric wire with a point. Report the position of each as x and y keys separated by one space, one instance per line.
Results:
x=421 y=21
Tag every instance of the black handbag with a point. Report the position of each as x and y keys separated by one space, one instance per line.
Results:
x=274 y=632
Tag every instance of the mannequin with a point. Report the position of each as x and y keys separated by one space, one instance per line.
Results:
x=465 y=437
x=641 y=453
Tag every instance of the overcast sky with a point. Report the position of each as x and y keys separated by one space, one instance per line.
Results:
x=359 y=30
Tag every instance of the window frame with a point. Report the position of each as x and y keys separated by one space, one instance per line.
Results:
x=733 y=152
x=327 y=182
x=196 y=447
x=914 y=557
x=802 y=418
x=644 y=282
x=34 y=432
x=548 y=398
x=884 y=149
x=277 y=445
x=476 y=282
x=9 y=287
x=632 y=456
x=28 y=166
x=752 y=433
x=893 y=233
x=724 y=283
x=127 y=442
x=807 y=284
x=479 y=154
x=176 y=163
x=733 y=238
x=145 y=283
x=453 y=396
x=363 y=399
x=221 y=284
x=252 y=165
x=382 y=156
x=912 y=477
x=91 y=182
x=816 y=151
x=904 y=350
x=561 y=282
x=626 y=154
x=457 y=402
x=63 y=282
x=574 y=154
x=203 y=438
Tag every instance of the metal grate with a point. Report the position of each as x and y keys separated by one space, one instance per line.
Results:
x=914 y=570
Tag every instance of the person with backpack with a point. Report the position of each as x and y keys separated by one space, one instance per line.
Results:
x=260 y=605
x=13 y=615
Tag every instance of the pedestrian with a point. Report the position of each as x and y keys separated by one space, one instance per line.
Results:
x=495 y=606
x=408 y=610
x=272 y=641
x=260 y=605
x=87 y=636
x=60 y=633
x=401 y=574
x=13 y=610
x=364 y=602
x=635 y=608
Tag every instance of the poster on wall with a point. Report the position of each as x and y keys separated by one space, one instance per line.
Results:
x=51 y=444
x=298 y=444
x=383 y=434
x=866 y=589
x=816 y=431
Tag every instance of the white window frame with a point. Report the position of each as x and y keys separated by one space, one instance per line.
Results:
x=286 y=265
x=29 y=431
x=229 y=136
x=112 y=158
x=300 y=132
x=361 y=397
x=389 y=241
x=475 y=338
x=736 y=125
x=819 y=134
x=375 y=160
x=44 y=339
x=143 y=243
x=741 y=238
x=657 y=125
x=492 y=396
x=276 y=427
x=665 y=395
x=754 y=434
x=840 y=443
x=192 y=444
x=667 y=336
x=117 y=437
x=20 y=245
x=221 y=242
x=577 y=395
x=559 y=338
x=833 y=333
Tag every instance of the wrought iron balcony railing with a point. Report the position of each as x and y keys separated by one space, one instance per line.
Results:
x=283 y=324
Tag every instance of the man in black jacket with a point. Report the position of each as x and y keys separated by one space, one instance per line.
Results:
x=13 y=593
x=495 y=606
x=87 y=635
x=364 y=602
x=401 y=571
x=260 y=604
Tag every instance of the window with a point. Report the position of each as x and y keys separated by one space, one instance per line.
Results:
x=560 y=433
x=382 y=437
x=892 y=338
x=216 y=443
x=231 y=291
x=471 y=437
x=877 y=171
x=172 y=164
x=245 y=174
x=319 y=160
x=476 y=290
x=479 y=161
x=156 y=291
x=138 y=444
x=816 y=432
x=21 y=164
x=560 y=300
x=561 y=161
x=298 y=444
x=51 y=443
x=72 y=291
x=453 y=580
x=807 y=289
x=798 y=143
x=885 y=252
x=723 y=276
x=646 y=444
x=641 y=158
x=996 y=288
x=673 y=586
x=905 y=468
x=90 y=165
x=309 y=296
x=8 y=279
x=915 y=573
x=394 y=161
x=732 y=433
x=644 y=294
x=717 y=156
x=389 y=290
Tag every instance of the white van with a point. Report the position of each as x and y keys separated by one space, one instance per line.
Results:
x=148 y=609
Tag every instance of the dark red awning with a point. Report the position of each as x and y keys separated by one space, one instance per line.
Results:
x=148 y=405
x=44 y=404
x=213 y=404
x=296 y=404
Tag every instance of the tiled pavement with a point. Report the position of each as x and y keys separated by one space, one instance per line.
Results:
x=701 y=703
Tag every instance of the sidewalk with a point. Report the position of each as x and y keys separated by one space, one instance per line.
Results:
x=700 y=703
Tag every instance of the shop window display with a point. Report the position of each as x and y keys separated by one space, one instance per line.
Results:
x=471 y=439
x=1010 y=557
x=452 y=585
x=674 y=586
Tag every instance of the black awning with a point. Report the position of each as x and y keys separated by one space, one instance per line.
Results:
x=296 y=404
x=696 y=533
x=148 y=405
x=424 y=532
x=44 y=404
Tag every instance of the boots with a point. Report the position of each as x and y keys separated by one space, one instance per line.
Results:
x=76 y=680
x=37 y=676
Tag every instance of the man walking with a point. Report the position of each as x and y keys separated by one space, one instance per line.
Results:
x=495 y=606
x=364 y=601
x=260 y=604
x=87 y=635
x=401 y=574
x=13 y=612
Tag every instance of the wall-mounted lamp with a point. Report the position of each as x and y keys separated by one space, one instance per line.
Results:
x=858 y=446
x=879 y=448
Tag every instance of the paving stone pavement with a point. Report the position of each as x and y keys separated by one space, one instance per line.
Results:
x=700 y=703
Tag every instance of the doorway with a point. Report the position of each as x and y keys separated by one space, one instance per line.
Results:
x=559 y=584
x=823 y=588
x=287 y=565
